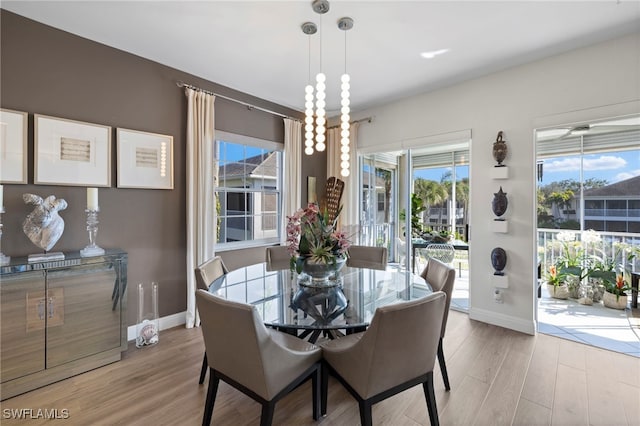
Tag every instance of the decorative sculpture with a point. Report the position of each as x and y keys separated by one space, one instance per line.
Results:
x=498 y=260
x=500 y=203
x=43 y=225
x=499 y=150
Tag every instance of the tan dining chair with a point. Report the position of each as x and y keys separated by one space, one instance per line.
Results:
x=278 y=258
x=208 y=274
x=441 y=277
x=262 y=363
x=397 y=352
x=239 y=258
x=367 y=257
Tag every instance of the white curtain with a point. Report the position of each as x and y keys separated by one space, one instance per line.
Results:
x=349 y=218
x=201 y=181
x=292 y=171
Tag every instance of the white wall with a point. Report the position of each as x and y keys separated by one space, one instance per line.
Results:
x=598 y=81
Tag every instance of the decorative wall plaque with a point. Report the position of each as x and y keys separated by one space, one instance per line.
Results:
x=498 y=260
x=499 y=150
x=499 y=203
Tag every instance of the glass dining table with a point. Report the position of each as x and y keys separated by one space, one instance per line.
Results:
x=297 y=305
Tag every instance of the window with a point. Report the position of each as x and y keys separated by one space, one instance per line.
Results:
x=588 y=176
x=248 y=195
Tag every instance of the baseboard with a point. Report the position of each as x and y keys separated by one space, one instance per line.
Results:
x=167 y=322
x=502 y=320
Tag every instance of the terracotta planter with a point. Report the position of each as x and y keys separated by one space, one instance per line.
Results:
x=559 y=292
x=612 y=301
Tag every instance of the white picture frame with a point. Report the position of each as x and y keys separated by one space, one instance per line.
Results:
x=69 y=152
x=13 y=146
x=145 y=160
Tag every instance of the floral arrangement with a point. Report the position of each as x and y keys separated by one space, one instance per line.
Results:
x=313 y=235
x=619 y=287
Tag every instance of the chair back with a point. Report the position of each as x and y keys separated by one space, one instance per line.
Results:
x=445 y=253
x=278 y=258
x=240 y=346
x=440 y=277
x=233 y=333
x=239 y=258
x=400 y=344
x=210 y=272
x=367 y=257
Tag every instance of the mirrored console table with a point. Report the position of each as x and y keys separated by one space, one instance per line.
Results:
x=60 y=318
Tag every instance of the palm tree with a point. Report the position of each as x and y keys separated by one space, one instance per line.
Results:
x=431 y=192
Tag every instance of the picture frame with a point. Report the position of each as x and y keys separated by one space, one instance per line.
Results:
x=69 y=152
x=13 y=146
x=145 y=160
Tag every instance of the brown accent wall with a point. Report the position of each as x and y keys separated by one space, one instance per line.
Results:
x=48 y=71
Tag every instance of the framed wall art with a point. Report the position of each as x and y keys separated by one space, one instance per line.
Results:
x=13 y=146
x=69 y=152
x=145 y=160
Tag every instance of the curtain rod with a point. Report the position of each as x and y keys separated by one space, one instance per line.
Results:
x=248 y=105
x=367 y=119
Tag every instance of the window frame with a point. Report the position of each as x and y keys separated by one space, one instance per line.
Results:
x=267 y=187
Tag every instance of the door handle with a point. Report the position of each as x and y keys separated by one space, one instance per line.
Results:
x=41 y=309
x=51 y=307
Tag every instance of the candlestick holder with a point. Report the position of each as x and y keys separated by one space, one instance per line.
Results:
x=4 y=260
x=92 y=227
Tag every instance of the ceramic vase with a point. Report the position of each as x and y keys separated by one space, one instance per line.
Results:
x=613 y=301
x=558 y=292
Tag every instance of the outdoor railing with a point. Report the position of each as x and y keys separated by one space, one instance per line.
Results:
x=550 y=247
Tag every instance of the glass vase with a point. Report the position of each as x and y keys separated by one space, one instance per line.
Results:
x=148 y=326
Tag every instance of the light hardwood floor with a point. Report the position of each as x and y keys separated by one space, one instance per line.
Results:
x=498 y=377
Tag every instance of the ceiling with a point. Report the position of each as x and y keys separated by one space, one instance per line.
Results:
x=258 y=47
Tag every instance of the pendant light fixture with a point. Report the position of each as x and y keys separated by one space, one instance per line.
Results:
x=345 y=24
x=309 y=28
x=318 y=131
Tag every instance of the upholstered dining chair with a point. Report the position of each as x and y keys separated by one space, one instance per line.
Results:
x=263 y=364
x=367 y=257
x=393 y=355
x=207 y=274
x=441 y=277
x=278 y=258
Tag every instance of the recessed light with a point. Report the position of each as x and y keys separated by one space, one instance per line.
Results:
x=433 y=53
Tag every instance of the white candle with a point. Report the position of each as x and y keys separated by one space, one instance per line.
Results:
x=1 y=197
x=92 y=198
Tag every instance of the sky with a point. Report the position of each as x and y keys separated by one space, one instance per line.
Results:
x=612 y=167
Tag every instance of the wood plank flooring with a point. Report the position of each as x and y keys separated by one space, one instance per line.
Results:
x=498 y=377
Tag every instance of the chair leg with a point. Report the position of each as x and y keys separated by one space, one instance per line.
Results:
x=315 y=393
x=430 y=396
x=443 y=366
x=203 y=370
x=268 y=408
x=211 y=398
x=324 y=389
x=365 y=413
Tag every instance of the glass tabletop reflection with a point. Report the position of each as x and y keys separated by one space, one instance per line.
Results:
x=294 y=302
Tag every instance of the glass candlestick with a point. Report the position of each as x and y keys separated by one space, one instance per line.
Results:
x=92 y=227
x=4 y=260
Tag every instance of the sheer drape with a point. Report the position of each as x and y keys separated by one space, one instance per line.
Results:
x=349 y=217
x=201 y=180
x=292 y=171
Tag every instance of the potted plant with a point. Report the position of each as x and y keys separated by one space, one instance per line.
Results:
x=556 y=285
x=615 y=295
x=315 y=244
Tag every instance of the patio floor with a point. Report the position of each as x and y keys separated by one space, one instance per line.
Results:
x=595 y=325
